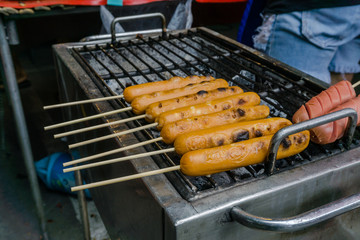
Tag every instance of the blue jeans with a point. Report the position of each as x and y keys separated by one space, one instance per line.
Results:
x=316 y=42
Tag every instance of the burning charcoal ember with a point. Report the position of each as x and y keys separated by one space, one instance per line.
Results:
x=222 y=178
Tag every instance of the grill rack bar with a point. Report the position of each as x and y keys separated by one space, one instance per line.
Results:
x=246 y=68
x=229 y=68
x=117 y=64
x=297 y=83
x=264 y=67
x=315 y=122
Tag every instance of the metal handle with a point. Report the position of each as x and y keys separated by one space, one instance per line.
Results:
x=316 y=215
x=300 y=221
x=298 y=127
x=127 y=18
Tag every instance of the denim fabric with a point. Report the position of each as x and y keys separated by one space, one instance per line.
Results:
x=315 y=42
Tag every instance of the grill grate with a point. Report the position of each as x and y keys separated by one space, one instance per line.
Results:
x=198 y=52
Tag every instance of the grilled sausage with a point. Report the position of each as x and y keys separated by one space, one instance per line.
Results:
x=325 y=101
x=170 y=131
x=175 y=82
x=332 y=131
x=155 y=109
x=139 y=104
x=227 y=134
x=253 y=151
x=217 y=105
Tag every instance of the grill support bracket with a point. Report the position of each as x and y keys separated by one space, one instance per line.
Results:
x=306 y=125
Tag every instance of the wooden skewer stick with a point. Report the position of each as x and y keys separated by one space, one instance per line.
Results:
x=81 y=102
x=87 y=118
x=80 y=160
x=356 y=84
x=111 y=135
x=81 y=130
x=115 y=160
x=126 y=178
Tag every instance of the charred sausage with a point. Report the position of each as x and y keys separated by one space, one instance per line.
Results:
x=253 y=151
x=170 y=131
x=332 y=131
x=175 y=82
x=325 y=101
x=227 y=134
x=139 y=104
x=155 y=109
x=217 y=105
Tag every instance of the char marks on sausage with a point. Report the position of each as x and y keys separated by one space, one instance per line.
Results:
x=203 y=92
x=286 y=143
x=241 y=136
x=241 y=101
x=241 y=112
x=258 y=133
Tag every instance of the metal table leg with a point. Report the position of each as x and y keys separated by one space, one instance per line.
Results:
x=14 y=97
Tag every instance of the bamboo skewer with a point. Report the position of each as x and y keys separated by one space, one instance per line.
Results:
x=87 y=118
x=81 y=130
x=126 y=178
x=111 y=135
x=81 y=102
x=356 y=84
x=115 y=160
x=111 y=152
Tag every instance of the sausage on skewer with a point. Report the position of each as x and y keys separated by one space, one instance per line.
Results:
x=155 y=109
x=217 y=105
x=253 y=151
x=139 y=104
x=213 y=160
x=170 y=131
x=206 y=138
x=227 y=134
x=243 y=99
x=175 y=82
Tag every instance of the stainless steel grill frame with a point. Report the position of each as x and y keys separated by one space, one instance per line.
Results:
x=174 y=207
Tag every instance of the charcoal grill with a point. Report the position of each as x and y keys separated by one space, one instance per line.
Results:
x=174 y=206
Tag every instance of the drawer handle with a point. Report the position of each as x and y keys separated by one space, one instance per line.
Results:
x=300 y=221
x=128 y=18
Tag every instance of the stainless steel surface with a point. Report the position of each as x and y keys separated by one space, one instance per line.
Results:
x=282 y=195
x=300 y=221
x=8 y=71
x=173 y=206
x=136 y=17
x=307 y=125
